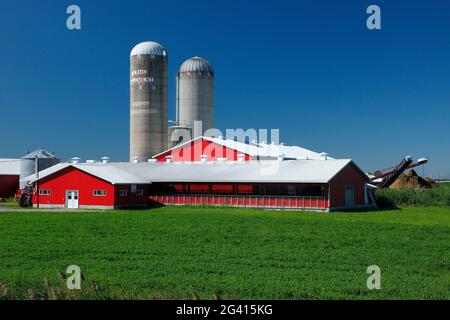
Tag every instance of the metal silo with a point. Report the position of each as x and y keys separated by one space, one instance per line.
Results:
x=178 y=134
x=195 y=93
x=148 y=100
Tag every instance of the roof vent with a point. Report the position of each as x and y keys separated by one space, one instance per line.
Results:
x=135 y=159
x=106 y=159
x=75 y=160
x=169 y=159
x=323 y=156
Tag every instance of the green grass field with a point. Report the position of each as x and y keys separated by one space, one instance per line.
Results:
x=445 y=184
x=172 y=252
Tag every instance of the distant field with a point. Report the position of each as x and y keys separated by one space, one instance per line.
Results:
x=172 y=252
x=445 y=184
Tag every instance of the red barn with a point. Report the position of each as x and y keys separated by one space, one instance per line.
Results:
x=88 y=186
x=297 y=184
x=210 y=149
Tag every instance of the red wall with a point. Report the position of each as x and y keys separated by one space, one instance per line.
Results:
x=350 y=176
x=8 y=185
x=74 y=179
x=193 y=151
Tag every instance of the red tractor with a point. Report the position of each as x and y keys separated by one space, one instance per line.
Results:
x=24 y=197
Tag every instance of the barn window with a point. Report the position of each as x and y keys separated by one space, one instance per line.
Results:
x=174 y=188
x=290 y=189
x=199 y=188
x=222 y=188
x=123 y=193
x=99 y=193
x=45 y=192
x=312 y=191
x=273 y=189
x=245 y=189
x=133 y=188
x=140 y=192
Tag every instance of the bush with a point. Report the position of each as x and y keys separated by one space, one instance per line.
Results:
x=439 y=196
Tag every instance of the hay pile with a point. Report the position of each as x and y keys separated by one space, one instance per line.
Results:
x=412 y=180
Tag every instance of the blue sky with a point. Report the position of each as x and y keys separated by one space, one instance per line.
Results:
x=310 y=68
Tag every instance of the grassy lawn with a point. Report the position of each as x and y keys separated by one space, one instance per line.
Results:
x=172 y=252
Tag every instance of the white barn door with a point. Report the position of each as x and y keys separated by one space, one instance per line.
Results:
x=72 y=199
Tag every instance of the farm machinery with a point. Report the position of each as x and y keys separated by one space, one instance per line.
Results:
x=24 y=197
x=386 y=177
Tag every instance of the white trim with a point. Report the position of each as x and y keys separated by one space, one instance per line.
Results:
x=49 y=206
x=96 y=207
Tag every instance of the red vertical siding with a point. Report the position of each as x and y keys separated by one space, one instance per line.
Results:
x=350 y=176
x=193 y=151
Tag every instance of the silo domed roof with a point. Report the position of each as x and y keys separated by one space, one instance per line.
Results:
x=196 y=64
x=148 y=47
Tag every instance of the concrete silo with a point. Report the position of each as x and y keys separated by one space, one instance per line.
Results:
x=148 y=100
x=195 y=93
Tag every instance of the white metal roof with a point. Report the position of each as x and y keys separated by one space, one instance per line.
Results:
x=196 y=64
x=109 y=172
x=305 y=171
x=10 y=166
x=260 y=150
x=39 y=153
x=148 y=47
x=295 y=171
x=21 y=167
